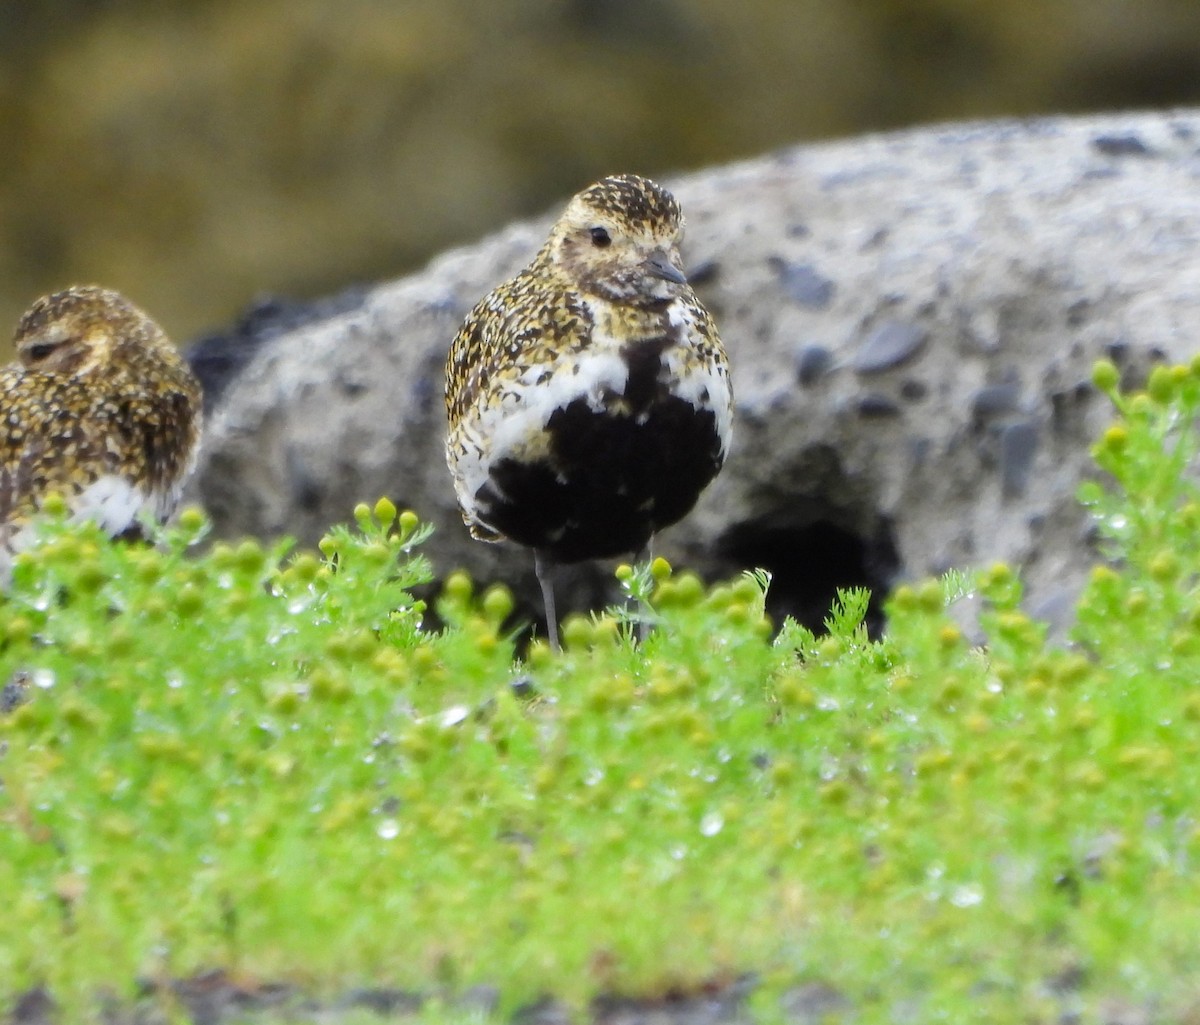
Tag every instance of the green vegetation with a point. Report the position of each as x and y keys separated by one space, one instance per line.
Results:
x=262 y=762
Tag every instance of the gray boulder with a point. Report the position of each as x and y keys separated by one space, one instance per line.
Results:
x=911 y=318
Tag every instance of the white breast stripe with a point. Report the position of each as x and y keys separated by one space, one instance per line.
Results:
x=113 y=502
x=519 y=419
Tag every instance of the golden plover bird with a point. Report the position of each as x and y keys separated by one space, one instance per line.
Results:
x=588 y=398
x=98 y=407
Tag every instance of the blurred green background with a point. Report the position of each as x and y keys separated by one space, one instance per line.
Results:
x=197 y=153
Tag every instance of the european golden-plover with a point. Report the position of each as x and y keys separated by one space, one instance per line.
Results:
x=98 y=407
x=588 y=398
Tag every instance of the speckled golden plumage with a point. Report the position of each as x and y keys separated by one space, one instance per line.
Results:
x=588 y=398
x=98 y=407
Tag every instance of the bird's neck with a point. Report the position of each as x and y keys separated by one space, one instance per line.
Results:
x=632 y=323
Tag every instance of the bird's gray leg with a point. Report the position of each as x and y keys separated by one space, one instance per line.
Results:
x=643 y=555
x=543 y=566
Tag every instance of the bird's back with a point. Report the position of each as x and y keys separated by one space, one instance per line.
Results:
x=116 y=436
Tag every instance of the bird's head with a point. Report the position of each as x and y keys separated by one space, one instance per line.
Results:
x=71 y=333
x=619 y=239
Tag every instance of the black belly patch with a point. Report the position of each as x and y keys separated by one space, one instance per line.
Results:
x=610 y=482
x=613 y=477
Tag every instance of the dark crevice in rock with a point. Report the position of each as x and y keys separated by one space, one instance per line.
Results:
x=811 y=559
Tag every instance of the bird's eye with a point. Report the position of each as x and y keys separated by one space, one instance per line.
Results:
x=39 y=352
x=600 y=237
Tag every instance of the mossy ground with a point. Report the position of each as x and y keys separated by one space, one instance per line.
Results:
x=262 y=762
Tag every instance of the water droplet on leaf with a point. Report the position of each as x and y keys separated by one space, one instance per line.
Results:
x=967 y=895
x=453 y=715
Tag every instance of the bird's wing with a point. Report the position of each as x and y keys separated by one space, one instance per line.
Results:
x=467 y=362
x=161 y=437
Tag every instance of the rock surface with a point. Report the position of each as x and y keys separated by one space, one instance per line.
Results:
x=911 y=319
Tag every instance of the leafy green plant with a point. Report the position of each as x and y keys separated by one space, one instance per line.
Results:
x=266 y=762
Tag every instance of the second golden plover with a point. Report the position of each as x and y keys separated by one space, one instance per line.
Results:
x=588 y=398
x=98 y=407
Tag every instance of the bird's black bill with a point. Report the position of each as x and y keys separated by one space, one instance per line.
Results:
x=663 y=268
